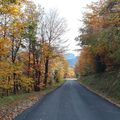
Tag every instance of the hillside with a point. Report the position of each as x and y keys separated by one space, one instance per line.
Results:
x=71 y=59
x=107 y=83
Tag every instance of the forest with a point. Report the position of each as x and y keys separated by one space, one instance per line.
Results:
x=31 y=47
x=99 y=39
x=37 y=80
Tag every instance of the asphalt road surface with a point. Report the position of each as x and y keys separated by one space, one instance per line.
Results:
x=71 y=102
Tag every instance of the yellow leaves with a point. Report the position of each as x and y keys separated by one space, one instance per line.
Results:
x=70 y=73
x=26 y=83
x=58 y=66
x=17 y=28
x=12 y=10
x=5 y=66
x=5 y=69
x=11 y=7
x=47 y=50
x=9 y=1
x=18 y=24
x=3 y=10
x=17 y=68
x=4 y=46
x=6 y=84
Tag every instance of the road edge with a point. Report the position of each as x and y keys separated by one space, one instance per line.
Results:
x=99 y=94
x=38 y=102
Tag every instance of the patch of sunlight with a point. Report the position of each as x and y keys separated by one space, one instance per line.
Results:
x=70 y=78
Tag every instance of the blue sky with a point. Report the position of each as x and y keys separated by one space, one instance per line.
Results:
x=72 y=11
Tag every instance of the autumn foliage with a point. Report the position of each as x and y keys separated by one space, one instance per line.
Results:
x=85 y=63
x=100 y=38
x=30 y=59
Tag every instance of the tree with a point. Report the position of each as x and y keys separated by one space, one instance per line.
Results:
x=52 y=29
x=101 y=34
x=85 y=63
x=9 y=15
x=32 y=14
x=29 y=45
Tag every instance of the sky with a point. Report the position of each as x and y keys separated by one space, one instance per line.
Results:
x=72 y=11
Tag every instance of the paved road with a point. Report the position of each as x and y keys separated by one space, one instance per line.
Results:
x=71 y=102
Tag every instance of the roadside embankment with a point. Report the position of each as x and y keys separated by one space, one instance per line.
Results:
x=107 y=85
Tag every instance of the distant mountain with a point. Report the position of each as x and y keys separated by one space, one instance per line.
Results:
x=71 y=59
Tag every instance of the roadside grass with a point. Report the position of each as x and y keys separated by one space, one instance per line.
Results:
x=107 y=83
x=12 y=98
x=5 y=101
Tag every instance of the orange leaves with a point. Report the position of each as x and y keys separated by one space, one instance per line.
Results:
x=85 y=63
x=101 y=33
x=96 y=23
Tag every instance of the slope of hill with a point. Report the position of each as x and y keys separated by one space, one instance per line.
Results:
x=71 y=59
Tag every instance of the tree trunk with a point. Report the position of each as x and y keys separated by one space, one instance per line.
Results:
x=46 y=71
x=29 y=62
